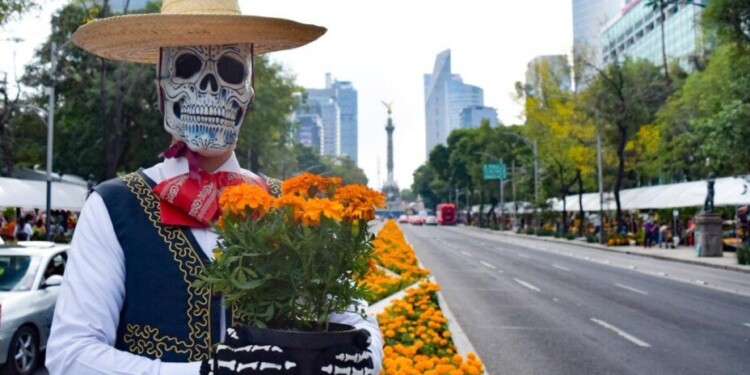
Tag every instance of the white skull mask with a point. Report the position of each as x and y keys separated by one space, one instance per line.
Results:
x=205 y=92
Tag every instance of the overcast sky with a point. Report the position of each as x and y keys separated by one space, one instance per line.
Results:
x=384 y=47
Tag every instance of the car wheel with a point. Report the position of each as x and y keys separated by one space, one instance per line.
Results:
x=24 y=352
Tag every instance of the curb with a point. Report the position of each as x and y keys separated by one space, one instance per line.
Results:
x=611 y=250
x=460 y=340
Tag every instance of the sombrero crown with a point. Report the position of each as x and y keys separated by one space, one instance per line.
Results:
x=138 y=37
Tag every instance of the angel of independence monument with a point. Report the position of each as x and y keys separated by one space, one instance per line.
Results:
x=390 y=188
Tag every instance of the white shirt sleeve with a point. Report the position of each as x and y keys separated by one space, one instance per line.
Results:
x=88 y=307
x=371 y=325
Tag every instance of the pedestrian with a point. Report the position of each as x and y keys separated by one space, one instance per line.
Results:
x=648 y=230
x=128 y=303
x=23 y=229
x=663 y=231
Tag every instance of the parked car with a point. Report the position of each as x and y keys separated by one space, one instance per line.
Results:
x=431 y=220
x=30 y=276
x=403 y=219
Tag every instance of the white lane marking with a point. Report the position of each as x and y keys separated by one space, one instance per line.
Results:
x=528 y=285
x=487 y=265
x=747 y=324
x=622 y=333
x=631 y=289
x=663 y=274
x=560 y=267
x=465 y=253
x=524 y=256
x=500 y=271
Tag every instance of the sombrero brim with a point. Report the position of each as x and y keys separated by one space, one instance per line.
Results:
x=137 y=38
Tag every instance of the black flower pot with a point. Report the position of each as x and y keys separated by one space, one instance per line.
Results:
x=308 y=349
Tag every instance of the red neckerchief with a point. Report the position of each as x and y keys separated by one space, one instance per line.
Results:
x=191 y=199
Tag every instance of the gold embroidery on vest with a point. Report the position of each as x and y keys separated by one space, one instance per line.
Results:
x=147 y=340
x=199 y=299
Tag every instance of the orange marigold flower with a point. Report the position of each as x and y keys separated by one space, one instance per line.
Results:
x=315 y=207
x=238 y=198
x=293 y=202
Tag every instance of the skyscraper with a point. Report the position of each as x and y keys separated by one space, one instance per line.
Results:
x=330 y=115
x=346 y=97
x=589 y=18
x=338 y=112
x=446 y=95
x=635 y=32
x=472 y=117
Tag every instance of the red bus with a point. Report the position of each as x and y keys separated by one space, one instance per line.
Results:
x=446 y=214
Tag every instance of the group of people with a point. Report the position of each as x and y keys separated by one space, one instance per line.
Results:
x=32 y=226
x=661 y=234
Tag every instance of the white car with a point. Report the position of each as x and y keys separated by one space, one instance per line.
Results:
x=431 y=220
x=30 y=276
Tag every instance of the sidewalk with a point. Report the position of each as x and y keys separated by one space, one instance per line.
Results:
x=681 y=254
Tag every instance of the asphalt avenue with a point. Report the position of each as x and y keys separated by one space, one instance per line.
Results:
x=533 y=307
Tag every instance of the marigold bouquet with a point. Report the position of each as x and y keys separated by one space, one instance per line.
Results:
x=290 y=261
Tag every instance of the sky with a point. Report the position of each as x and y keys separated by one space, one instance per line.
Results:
x=384 y=48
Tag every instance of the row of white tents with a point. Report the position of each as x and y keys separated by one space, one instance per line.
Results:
x=728 y=191
x=33 y=194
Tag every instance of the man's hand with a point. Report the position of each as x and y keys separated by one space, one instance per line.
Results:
x=354 y=359
x=237 y=356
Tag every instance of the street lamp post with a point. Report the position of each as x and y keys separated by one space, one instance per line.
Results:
x=50 y=91
x=502 y=190
x=534 y=149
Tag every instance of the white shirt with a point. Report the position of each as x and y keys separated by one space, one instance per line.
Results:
x=84 y=328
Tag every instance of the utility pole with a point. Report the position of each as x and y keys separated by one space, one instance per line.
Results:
x=601 y=188
x=513 y=181
x=50 y=91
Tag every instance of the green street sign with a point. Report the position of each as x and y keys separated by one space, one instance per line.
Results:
x=495 y=171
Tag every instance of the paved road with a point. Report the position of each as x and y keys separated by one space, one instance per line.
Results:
x=532 y=307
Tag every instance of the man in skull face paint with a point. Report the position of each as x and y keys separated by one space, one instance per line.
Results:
x=128 y=304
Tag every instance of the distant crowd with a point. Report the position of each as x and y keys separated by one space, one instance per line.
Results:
x=31 y=225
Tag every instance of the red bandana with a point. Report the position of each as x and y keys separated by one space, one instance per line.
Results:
x=191 y=199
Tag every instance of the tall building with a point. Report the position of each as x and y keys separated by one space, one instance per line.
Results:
x=636 y=32
x=346 y=97
x=472 y=117
x=556 y=67
x=446 y=95
x=309 y=130
x=339 y=114
x=330 y=114
x=589 y=17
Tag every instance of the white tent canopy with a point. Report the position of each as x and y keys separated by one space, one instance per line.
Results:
x=728 y=191
x=33 y=194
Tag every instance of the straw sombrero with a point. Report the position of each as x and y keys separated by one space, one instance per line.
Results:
x=138 y=37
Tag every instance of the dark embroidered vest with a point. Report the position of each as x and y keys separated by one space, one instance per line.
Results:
x=164 y=315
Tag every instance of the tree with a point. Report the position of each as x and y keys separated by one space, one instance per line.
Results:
x=730 y=19
x=661 y=6
x=626 y=96
x=423 y=178
x=267 y=130
x=11 y=8
x=707 y=118
x=107 y=117
x=564 y=134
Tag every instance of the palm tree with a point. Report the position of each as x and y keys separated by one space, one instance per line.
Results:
x=661 y=6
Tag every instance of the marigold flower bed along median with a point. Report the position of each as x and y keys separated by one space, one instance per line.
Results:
x=417 y=338
x=393 y=253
